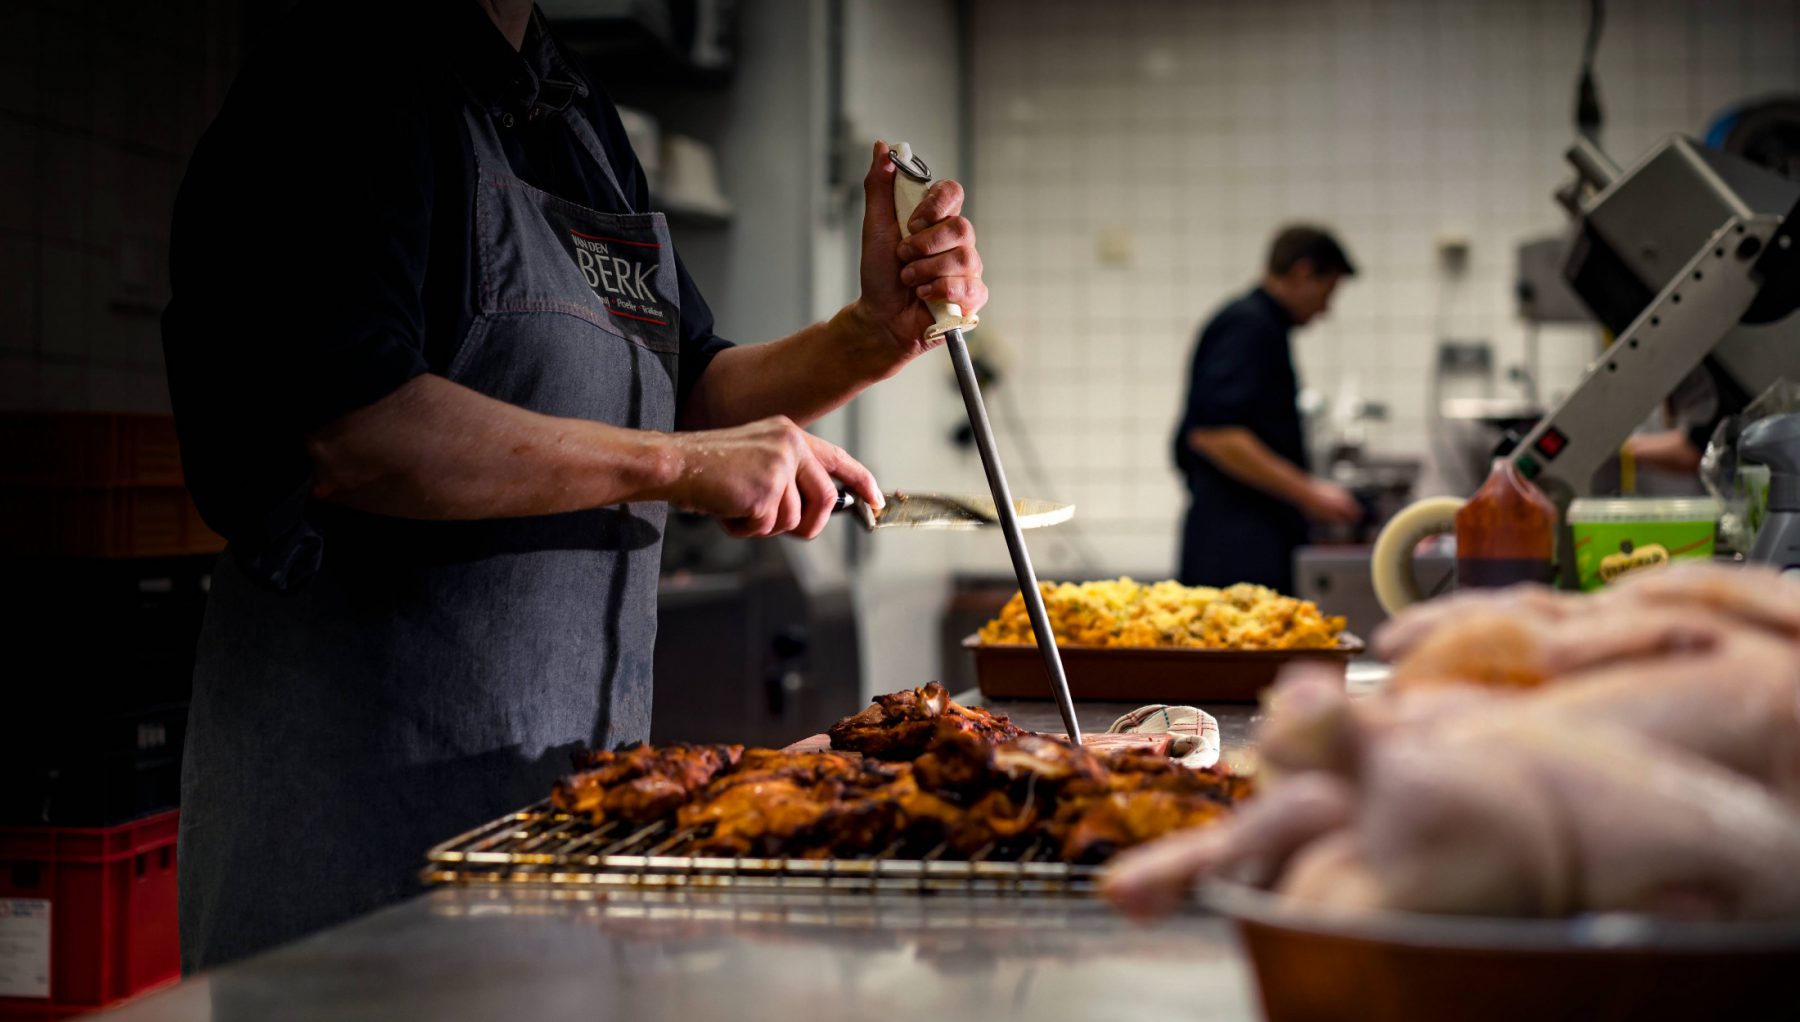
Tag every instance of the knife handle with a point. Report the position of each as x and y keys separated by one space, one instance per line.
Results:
x=911 y=178
x=846 y=501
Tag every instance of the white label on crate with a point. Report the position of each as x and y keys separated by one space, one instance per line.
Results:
x=24 y=947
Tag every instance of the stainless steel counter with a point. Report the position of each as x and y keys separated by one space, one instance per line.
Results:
x=540 y=955
x=478 y=953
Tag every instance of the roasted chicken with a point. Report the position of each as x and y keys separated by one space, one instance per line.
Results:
x=641 y=784
x=913 y=773
x=899 y=726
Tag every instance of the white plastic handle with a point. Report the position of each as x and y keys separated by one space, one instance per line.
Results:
x=1391 y=563
x=908 y=193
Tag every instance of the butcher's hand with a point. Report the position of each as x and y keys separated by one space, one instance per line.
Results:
x=766 y=478
x=937 y=262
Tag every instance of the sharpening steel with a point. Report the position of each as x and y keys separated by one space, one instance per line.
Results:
x=910 y=182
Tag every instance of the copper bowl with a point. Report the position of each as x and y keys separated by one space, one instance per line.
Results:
x=1313 y=965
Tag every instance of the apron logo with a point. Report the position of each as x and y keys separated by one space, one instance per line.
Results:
x=618 y=274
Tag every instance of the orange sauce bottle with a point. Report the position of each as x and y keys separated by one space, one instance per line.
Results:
x=1506 y=533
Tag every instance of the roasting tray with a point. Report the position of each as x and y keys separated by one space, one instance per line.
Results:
x=1144 y=673
x=543 y=846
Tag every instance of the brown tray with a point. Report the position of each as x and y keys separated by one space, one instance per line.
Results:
x=1147 y=674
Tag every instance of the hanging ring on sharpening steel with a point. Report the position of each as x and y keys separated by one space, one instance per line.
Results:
x=917 y=170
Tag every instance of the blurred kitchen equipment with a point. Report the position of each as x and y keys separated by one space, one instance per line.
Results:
x=1765 y=131
x=1689 y=256
x=1382 y=484
x=646 y=141
x=911 y=179
x=1775 y=442
x=1337 y=578
x=1617 y=536
x=1404 y=967
x=1469 y=416
x=941 y=511
x=756 y=641
x=690 y=176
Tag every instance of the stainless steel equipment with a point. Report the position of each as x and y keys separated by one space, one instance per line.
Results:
x=1775 y=442
x=910 y=183
x=1338 y=579
x=540 y=845
x=1689 y=255
x=756 y=640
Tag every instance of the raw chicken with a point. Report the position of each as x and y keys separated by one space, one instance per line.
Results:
x=1535 y=819
x=1655 y=769
x=1754 y=595
x=1725 y=693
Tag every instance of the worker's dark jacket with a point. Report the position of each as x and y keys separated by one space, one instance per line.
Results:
x=1242 y=375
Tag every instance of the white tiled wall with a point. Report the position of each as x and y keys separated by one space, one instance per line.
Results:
x=1189 y=131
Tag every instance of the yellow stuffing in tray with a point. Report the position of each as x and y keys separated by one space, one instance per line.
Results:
x=1127 y=613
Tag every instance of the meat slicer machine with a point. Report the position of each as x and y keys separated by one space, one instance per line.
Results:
x=1688 y=257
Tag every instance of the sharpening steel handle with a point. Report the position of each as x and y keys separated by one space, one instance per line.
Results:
x=908 y=193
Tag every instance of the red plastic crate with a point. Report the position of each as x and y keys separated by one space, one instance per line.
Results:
x=112 y=910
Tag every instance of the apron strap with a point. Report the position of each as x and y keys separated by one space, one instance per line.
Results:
x=491 y=153
x=571 y=107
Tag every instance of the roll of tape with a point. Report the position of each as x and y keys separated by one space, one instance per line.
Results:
x=1391 y=564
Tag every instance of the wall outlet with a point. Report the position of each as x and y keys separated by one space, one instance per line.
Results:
x=1453 y=252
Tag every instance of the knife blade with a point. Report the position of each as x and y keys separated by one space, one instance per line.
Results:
x=906 y=509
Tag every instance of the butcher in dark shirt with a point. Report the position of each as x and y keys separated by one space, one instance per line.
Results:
x=1239 y=445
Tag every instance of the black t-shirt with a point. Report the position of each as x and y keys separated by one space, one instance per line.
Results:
x=322 y=250
x=1243 y=375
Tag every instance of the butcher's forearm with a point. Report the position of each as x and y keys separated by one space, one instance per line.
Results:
x=1239 y=454
x=437 y=450
x=802 y=376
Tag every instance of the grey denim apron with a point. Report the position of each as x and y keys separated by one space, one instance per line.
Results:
x=433 y=675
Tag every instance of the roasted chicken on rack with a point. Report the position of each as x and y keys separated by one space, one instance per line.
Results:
x=779 y=803
x=641 y=784
x=914 y=774
x=900 y=725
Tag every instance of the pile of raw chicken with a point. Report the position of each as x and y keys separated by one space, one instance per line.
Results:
x=1537 y=754
x=913 y=774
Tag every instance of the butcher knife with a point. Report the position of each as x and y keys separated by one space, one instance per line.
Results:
x=908 y=510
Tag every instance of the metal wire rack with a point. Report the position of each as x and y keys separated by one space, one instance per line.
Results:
x=541 y=845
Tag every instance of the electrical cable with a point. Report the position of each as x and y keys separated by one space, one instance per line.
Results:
x=1588 y=115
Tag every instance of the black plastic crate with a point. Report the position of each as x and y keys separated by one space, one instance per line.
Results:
x=89 y=614
x=94 y=768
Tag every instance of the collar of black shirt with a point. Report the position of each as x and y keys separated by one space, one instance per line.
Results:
x=1275 y=308
x=530 y=81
